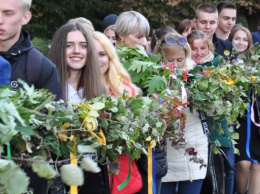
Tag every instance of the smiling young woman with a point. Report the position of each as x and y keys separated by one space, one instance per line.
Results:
x=72 y=52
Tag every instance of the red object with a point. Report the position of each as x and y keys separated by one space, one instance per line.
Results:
x=184 y=75
x=135 y=182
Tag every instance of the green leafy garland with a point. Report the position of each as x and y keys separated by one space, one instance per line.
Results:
x=38 y=127
x=219 y=91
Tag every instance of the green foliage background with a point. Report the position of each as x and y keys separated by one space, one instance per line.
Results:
x=49 y=15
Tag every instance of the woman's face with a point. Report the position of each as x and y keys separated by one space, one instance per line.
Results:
x=111 y=35
x=133 y=39
x=240 y=41
x=175 y=61
x=199 y=50
x=102 y=57
x=76 y=51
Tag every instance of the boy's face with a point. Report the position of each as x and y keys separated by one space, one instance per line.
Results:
x=12 y=18
x=227 y=20
x=207 y=22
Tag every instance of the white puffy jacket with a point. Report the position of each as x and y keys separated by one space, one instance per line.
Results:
x=180 y=167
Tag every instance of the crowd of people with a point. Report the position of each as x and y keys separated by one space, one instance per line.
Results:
x=83 y=63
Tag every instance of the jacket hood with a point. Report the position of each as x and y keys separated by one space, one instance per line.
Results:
x=23 y=45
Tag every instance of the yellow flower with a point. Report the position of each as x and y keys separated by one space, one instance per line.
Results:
x=226 y=52
x=65 y=126
x=62 y=136
x=253 y=78
x=229 y=81
x=90 y=123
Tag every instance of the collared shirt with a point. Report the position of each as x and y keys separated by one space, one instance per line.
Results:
x=74 y=95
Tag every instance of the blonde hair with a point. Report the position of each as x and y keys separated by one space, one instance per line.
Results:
x=164 y=49
x=130 y=21
x=87 y=24
x=109 y=27
x=26 y=5
x=116 y=77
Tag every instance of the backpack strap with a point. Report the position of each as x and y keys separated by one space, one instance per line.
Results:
x=33 y=66
x=204 y=123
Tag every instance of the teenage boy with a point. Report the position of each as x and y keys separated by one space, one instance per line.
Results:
x=227 y=15
x=15 y=47
x=206 y=20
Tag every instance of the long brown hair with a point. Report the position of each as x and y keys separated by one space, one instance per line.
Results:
x=90 y=79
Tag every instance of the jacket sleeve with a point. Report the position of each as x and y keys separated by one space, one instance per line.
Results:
x=5 y=73
x=50 y=78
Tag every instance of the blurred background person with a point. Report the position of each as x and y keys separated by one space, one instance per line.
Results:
x=247 y=162
x=108 y=27
x=131 y=29
x=184 y=27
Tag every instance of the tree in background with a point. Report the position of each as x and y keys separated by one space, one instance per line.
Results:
x=48 y=15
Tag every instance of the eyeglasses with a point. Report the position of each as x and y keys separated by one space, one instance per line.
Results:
x=171 y=40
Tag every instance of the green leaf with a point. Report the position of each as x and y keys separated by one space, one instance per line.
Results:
x=28 y=131
x=12 y=178
x=154 y=84
x=235 y=135
x=236 y=151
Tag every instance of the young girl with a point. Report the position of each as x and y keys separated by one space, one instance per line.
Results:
x=203 y=54
x=241 y=38
x=73 y=52
x=247 y=172
x=116 y=77
x=118 y=83
x=183 y=174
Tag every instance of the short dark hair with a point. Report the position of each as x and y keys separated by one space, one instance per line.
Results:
x=183 y=25
x=225 y=5
x=205 y=7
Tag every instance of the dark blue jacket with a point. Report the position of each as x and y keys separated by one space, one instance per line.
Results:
x=5 y=72
x=221 y=46
x=256 y=36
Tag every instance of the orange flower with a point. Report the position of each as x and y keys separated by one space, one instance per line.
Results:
x=184 y=75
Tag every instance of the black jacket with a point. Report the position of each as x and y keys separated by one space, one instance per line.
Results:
x=17 y=56
x=221 y=46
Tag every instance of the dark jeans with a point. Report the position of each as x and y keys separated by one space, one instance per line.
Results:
x=182 y=187
x=144 y=189
x=230 y=177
